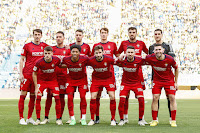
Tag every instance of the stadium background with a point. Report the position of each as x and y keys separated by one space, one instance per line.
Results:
x=178 y=19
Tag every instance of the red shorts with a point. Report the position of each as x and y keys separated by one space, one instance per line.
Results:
x=168 y=86
x=98 y=87
x=51 y=85
x=28 y=84
x=136 y=88
x=72 y=89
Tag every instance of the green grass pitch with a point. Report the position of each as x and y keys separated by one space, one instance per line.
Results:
x=188 y=119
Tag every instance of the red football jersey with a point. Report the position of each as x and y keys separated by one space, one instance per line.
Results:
x=32 y=52
x=109 y=48
x=77 y=70
x=47 y=69
x=85 y=49
x=61 y=53
x=102 y=69
x=130 y=70
x=138 y=45
x=162 y=68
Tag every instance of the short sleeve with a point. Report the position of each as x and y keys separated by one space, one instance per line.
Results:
x=36 y=67
x=24 y=50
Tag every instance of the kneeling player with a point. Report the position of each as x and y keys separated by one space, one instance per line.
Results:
x=131 y=81
x=48 y=80
x=102 y=77
x=163 y=78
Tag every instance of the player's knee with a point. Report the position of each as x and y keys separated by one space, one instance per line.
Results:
x=172 y=98
x=112 y=97
x=23 y=92
x=155 y=98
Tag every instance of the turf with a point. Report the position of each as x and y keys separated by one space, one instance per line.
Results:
x=188 y=116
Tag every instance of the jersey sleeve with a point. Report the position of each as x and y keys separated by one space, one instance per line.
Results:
x=121 y=49
x=92 y=53
x=174 y=65
x=145 y=48
x=146 y=61
x=58 y=62
x=89 y=51
x=36 y=67
x=115 y=49
x=24 y=50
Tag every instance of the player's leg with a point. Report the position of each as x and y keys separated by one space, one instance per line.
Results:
x=62 y=88
x=126 y=109
x=98 y=105
x=83 y=103
x=21 y=107
x=154 y=108
x=94 y=92
x=168 y=104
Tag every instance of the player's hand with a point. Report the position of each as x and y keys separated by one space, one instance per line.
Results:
x=36 y=91
x=21 y=78
x=176 y=86
x=121 y=57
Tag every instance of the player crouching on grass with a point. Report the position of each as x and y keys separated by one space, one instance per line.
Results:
x=163 y=78
x=48 y=79
x=131 y=81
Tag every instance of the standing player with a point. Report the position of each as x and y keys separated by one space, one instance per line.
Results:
x=48 y=79
x=163 y=78
x=60 y=51
x=139 y=47
x=167 y=50
x=31 y=52
x=110 y=49
x=102 y=77
x=131 y=81
x=76 y=65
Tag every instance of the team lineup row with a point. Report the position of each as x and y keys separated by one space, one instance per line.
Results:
x=50 y=72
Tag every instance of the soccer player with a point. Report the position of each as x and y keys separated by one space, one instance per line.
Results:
x=60 y=51
x=102 y=77
x=139 y=47
x=31 y=52
x=131 y=81
x=110 y=49
x=85 y=48
x=47 y=79
x=167 y=50
x=76 y=65
x=163 y=78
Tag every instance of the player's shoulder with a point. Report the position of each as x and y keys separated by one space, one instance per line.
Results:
x=138 y=58
x=139 y=41
x=85 y=44
x=30 y=44
x=169 y=57
x=92 y=58
x=44 y=44
x=67 y=58
x=125 y=41
x=107 y=57
x=83 y=57
x=111 y=43
x=40 y=60
x=55 y=58
x=151 y=56
x=72 y=44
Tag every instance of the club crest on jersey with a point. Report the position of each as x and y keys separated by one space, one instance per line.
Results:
x=84 y=50
x=166 y=64
x=108 y=46
x=52 y=65
x=138 y=45
x=105 y=63
x=80 y=64
x=135 y=65
x=42 y=48
x=64 y=52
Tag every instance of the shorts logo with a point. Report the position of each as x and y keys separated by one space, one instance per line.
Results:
x=67 y=84
x=85 y=87
x=34 y=68
x=139 y=89
x=112 y=85
x=57 y=88
x=62 y=87
x=121 y=87
x=172 y=88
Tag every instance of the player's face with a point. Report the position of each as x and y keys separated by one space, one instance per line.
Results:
x=132 y=34
x=48 y=55
x=79 y=36
x=130 y=53
x=104 y=35
x=37 y=36
x=98 y=54
x=60 y=38
x=158 y=50
x=158 y=36
x=75 y=53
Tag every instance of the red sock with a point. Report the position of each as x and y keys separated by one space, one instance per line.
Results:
x=38 y=106
x=112 y=109
x=31 y=106
x=126 y=106
x=141 y=107
x=21 y=106
x=92 y=108
x=173 y=115
x=97 y=106
x=121 y=107
x=62 y=102
x=48 y=104
x=70 y=104
x=154 y=114
x=83 y=105
x=58 y=107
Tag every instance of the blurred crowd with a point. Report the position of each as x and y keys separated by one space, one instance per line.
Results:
x=178 y=19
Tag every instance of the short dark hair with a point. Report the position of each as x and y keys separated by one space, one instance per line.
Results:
x=130 y=47
x=60 y=32
x=79 y=30
x=48 y=48
x=98 y=47
x=132 y=28
x=155 y=45
x=158 y=30
x=75 y=46
x=106 y=29
x=37 y=30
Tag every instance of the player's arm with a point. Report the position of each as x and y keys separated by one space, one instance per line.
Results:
x=21 y=66
x=145 y=48
x=120 y=50
x=34 y=75
x=176 y=78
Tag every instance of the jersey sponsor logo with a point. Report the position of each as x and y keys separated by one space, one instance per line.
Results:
x=101 y=69
x=37 y=53
x=159 y=68
x=75 y=69
x=107 y=52
x=34 y=68
x=48 y=71
x=130 y=69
